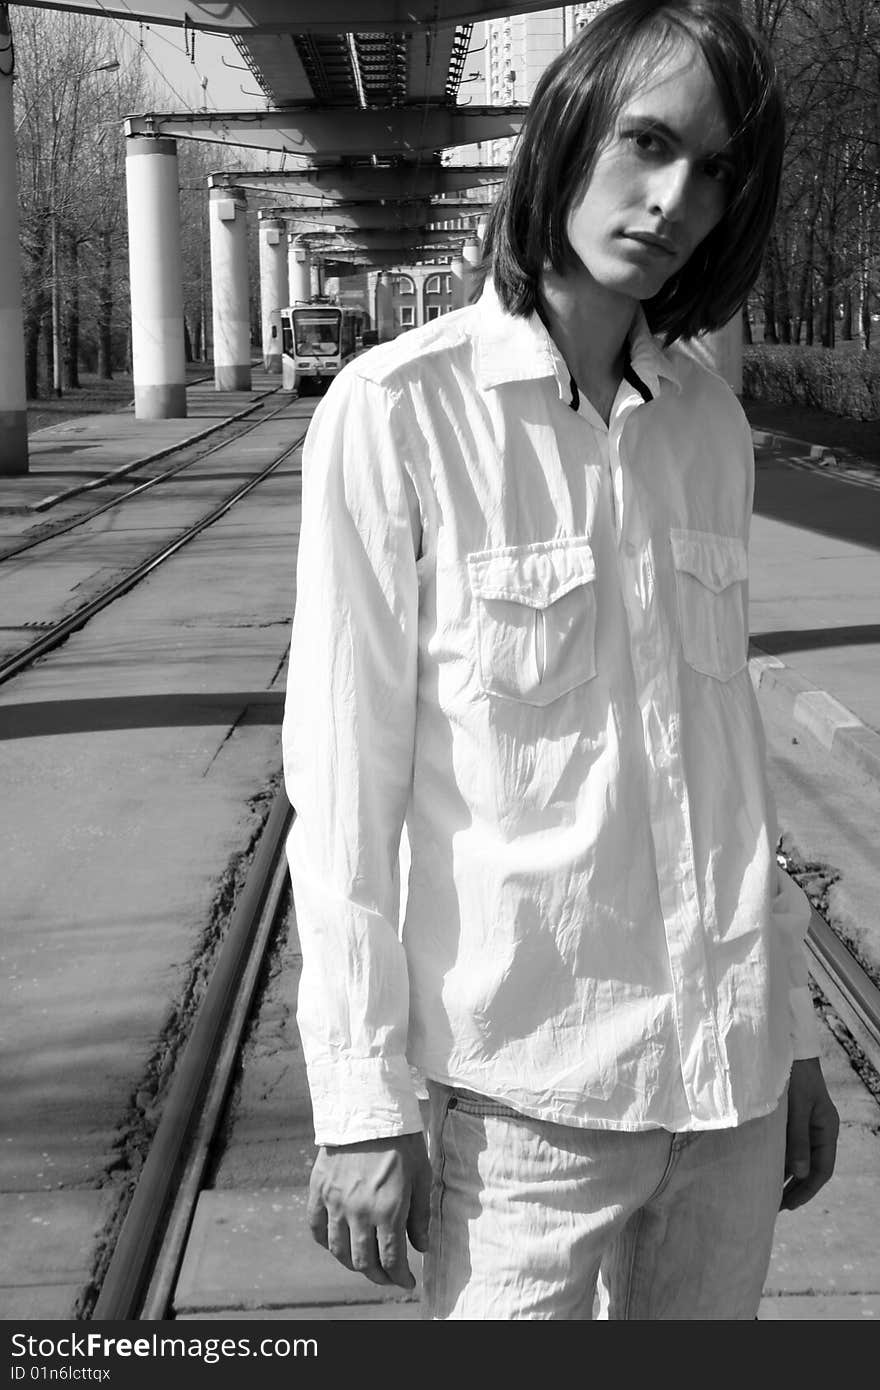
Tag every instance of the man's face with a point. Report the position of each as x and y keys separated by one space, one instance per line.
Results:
x=660 y=183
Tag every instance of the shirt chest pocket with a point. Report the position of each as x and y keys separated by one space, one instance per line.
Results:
x=710 y=572
x=535 y=619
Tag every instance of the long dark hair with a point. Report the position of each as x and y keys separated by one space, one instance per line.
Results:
x=576 y=102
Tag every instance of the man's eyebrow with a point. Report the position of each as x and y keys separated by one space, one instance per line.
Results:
x=654 y=123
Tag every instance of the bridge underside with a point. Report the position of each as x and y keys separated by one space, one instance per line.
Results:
x=362 y=99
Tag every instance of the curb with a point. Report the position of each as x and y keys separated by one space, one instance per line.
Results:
x=819 y=454
x=824 y=719
x=840 y=462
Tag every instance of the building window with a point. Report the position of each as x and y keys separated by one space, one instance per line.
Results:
x=404 y=284
x=438 y=284
x=432 y=311
x=406 y=315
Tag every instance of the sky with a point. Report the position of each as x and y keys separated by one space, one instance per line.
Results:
x=212 y=75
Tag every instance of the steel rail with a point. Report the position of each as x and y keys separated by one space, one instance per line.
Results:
x=171 y=1250
x=74 y=621
x=63 y=528
x=847 y=986
x=125 y=468
x=139 y=1276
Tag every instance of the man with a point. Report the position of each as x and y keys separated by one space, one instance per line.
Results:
x=521 y=633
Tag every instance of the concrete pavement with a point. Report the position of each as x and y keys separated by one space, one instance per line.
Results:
x=122 y=797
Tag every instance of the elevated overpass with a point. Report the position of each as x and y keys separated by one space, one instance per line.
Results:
x=362 y=102
x=361 y=122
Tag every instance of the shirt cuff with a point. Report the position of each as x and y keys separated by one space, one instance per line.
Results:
x=804 y=1029
x=360 y=1098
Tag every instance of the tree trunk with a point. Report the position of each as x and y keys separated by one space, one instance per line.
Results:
x=846 y=323
x=783 y=298
x=770 y=335
x=104 y=323
x=809 y=312
x=48 y=353
x=828 y=285
x=32 y=358
x=804 y=319
x=187 y=343
x=36 y=308
x=747 y=325
x=70 y=322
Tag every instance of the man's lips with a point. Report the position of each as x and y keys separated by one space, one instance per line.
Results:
x=653 y=241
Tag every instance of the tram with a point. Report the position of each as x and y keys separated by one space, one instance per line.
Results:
x=317 y=339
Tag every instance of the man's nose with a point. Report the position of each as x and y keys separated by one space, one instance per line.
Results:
x=670 y=190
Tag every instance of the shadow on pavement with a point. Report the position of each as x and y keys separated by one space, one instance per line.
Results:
x=806 y=499
x=42 y=717
x=811 y=639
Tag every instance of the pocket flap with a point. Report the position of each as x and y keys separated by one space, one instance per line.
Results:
x=715 y=560
x=534 y=575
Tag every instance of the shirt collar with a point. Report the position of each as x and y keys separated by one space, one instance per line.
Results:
x=511 y=347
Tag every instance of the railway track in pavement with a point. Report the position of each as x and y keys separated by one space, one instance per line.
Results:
x=233 y=432
x=140 y=1276
x=90 y=556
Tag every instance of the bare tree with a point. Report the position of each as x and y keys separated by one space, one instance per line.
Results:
x=824 y=251
x=71 y=92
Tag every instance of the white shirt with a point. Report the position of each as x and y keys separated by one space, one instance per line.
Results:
x=523 y=634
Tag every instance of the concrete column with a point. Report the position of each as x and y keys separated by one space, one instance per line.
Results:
x=227 y=221
x=384 y=308
x=299 y=264
x=156 y=274
x=274 y=293
x=722 y=352
x=471 y=256
x=457 y=270
x=471 y=250
x=13 y=397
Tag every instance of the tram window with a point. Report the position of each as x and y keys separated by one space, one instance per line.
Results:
x=317 y=334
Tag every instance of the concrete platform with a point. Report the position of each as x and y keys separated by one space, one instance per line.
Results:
x=66 y=459
x=137 y=765
x=158 y=760
x=252 y=1252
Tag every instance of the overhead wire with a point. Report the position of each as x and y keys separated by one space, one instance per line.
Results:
x=125 y=26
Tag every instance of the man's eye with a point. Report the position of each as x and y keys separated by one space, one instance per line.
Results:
x=717 y=170
x=645 y=140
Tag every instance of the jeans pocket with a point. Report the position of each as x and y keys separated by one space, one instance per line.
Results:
x=470 y=1103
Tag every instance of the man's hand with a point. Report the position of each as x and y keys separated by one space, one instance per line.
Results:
x=811 y=1138
x=364 y=1199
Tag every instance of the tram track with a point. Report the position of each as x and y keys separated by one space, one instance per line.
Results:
x=142 y=1270
x=138 y=1282
x=51 y=531
x=58 y=632
x=846 y=984
x=140 y=1276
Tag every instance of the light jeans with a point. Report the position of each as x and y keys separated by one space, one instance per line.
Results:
x=526 y=1216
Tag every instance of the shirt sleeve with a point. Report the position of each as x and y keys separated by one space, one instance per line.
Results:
x=791 y=908
x=347 y=740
